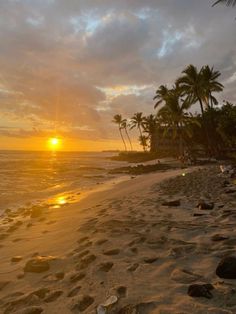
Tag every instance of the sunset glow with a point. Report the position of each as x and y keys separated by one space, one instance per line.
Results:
x=54 y=143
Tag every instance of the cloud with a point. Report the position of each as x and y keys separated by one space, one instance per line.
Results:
x=74 y=64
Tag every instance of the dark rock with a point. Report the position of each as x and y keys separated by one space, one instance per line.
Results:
x=227 y=268
x=37 y=265
x=230 y=191
x=203 y=205
x=173 y=203
x=83 y=303
x=106 y=266
x=53 y=296
x=16 y=259
x=128 y=309
x=218 y=237
x=121 y=291
x=200 y=290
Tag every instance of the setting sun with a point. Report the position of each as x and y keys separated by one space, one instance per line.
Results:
x=54 y=143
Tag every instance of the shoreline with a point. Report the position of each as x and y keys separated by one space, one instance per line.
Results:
x=121 y=241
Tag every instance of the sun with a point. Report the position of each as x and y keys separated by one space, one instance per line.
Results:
x=54 y=143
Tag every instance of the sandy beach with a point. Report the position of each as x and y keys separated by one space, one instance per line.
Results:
x=126 y=241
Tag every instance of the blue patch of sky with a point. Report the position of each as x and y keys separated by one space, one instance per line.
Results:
x=87 y=22
x=170 y=39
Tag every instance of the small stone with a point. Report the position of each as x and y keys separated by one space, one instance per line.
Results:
x=37 y=265
x=227 y=268
x=173 y=203
x=83 y=303
x=121 y=291
x=203 y=290
x=16 y=259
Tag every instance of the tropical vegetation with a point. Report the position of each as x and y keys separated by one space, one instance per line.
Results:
x=174 y=127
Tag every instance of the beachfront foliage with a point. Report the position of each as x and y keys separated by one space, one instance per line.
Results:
x=175 y=128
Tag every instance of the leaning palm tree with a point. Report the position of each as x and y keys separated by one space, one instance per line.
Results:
x=124 y=126
x=161 y=93
x=117 y=119
x=227 y=2
x=138 y=121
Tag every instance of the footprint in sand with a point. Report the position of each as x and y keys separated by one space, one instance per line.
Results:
x=85 y=262
x=73 y=292
x=101 y=241
x=112 y=252
x=83 y=303
x=53 y=296
x=106 y=267
x=81 y=240
x=77 y=277
x=51 y=222
x=80 y=255
x=133 y=267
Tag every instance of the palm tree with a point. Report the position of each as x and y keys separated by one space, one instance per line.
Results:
x=138 y=121
x=210 y=76
x=174 y=115
x=118 y=120
x=192 y=84
x=150 y=127
x=124 y=126
x=161 y=93
x=227 y=2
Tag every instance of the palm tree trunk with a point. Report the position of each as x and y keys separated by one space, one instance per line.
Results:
x=140 y=132
x=129 y=139
x=208 y=142
x=123 y=139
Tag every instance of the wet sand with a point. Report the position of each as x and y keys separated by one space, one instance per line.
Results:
x=126 y=242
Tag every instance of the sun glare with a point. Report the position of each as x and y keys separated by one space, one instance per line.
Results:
x=54 y=143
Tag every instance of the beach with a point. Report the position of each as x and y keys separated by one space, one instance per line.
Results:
x=124 y=241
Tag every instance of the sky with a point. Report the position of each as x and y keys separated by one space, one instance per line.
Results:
x=68 y=66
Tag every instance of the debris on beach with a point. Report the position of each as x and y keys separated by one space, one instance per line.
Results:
x=104 y=307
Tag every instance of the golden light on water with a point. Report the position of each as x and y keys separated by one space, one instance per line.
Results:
x=61 y=200
x=54 y=143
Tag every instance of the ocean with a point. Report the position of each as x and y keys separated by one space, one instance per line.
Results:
x=27 y=177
